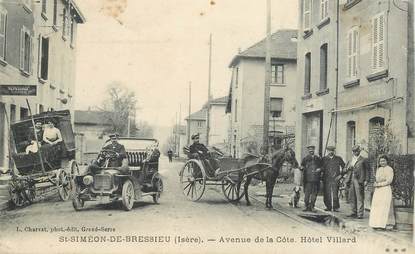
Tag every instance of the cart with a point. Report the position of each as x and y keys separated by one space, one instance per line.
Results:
x=51 y=168
x=231 y=176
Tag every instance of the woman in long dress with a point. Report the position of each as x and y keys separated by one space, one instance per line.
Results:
x=381 y=212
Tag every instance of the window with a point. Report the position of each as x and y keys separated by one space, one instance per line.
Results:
x=237 y=77
x=3 y=28
x=12 y=113
x=44 y=4
x=307 y=73
x=66 y=25
x=351 y=138
x=277 y=73
x=39 y=108
x=324 y=9
x=353 y=52
x=55 y=13
x=200 y=124
x=24 y=113
x=276 y=107
x=307 y=4
x=323 y=66
x=378 y=42
x=43 y=57
x=236 y=111
x=25 y=50
x=73 y=33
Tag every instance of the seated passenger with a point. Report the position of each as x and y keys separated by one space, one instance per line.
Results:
x=199 y=150
x=119 y=160
x=32 y=148
x=51 y=134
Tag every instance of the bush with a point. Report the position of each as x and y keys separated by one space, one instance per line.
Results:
x=403 y=181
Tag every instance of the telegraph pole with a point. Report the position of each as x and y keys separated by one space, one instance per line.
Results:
x=190 y=110
x=180 y=115
x=209 y=93
x=267 y=77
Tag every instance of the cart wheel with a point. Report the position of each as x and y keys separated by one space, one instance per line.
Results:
x=128 y=195
x=233 y=187
x=16 y=197
x=65 y=185
x=77 y=202
x=193 y=180
x=30 y=194
x=158 y=186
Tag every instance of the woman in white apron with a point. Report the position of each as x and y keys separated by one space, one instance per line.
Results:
x=381 y=211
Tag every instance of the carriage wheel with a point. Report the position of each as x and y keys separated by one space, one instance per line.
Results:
x=158 y=186
x=193 y=180
x=65 y=185
x=77 y=202
x=128 y=195
x=233 y=187
x=30 y=194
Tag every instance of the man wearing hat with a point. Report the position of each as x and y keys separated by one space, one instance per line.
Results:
x=119 y=150
x=199 y=150
x=311 y=166
x=332 y=167
x=359 y=169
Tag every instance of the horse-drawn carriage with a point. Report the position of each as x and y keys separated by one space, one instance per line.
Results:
x=137 y=176
x=234 y=175
x=49 y=166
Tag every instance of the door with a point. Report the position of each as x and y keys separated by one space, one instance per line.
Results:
x=314 y=131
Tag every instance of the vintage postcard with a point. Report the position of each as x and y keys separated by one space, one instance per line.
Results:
x=207 y=126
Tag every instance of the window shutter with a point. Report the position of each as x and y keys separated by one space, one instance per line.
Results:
x=39 y=56
x=381 y=44
x=276 y=104
x=375 y=43
x=22 y=46
x=307 y=14
x=31 y=56
x=3 y=20
x=349 y=54
x=355 y=52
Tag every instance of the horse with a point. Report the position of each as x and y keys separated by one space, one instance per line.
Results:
x=257 y=168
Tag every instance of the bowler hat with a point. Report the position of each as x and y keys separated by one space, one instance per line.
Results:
x=114 y=135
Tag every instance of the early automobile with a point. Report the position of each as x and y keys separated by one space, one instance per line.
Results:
x=41 y=167
x=137 y=176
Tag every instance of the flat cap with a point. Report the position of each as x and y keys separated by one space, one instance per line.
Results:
x=311 y=146
x=195 y=136
x=356 y=148
x=114 y=135
x=331 y=148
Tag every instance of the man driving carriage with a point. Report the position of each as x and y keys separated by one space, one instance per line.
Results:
x=199 y=150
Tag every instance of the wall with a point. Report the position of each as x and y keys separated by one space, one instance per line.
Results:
x=218 y=125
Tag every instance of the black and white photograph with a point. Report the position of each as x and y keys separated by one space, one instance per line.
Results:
x=207 y=126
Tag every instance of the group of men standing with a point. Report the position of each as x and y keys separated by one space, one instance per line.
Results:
x=331 y=169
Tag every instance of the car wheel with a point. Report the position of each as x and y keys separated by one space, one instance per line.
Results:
x=128 y=195
x=77 y=202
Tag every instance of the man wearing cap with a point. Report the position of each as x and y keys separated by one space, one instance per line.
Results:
x=359 y=169
x=199 y=150
x=311 y=165
x=331 y=170
x=119 y=150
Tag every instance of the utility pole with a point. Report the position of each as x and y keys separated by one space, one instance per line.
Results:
x=179 y=130
x=175 y=135
x=267 y=77
x=209 y=93
x=190 y=110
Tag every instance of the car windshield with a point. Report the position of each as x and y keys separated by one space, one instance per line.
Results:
x=136 y=144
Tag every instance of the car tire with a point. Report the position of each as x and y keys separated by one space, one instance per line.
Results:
x=128 y=195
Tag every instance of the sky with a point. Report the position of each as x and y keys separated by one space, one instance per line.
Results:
x=156 y=47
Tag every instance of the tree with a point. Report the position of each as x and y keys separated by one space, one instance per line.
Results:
x=143 y=130
x=120 y=106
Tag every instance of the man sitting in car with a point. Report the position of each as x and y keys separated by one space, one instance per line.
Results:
x=116 y=155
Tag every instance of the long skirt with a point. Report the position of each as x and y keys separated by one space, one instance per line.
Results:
x=381 y=209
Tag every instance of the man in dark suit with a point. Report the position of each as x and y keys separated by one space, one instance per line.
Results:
x=332 y=167
x=118 y=149
x=359 y=169
x=311 y=165
x=199 y=150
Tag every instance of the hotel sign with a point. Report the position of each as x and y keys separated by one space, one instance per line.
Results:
x=18 y=90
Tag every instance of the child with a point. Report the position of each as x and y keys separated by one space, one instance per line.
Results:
x=295 y=196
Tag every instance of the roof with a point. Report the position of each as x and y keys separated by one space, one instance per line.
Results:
x=282 y=47
x=221 y=100
x=80 y=18
x=198 y=115
x=89 y=117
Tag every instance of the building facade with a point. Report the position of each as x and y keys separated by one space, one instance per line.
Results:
x=354 y=77
x=246 y=96
x=37 y=47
